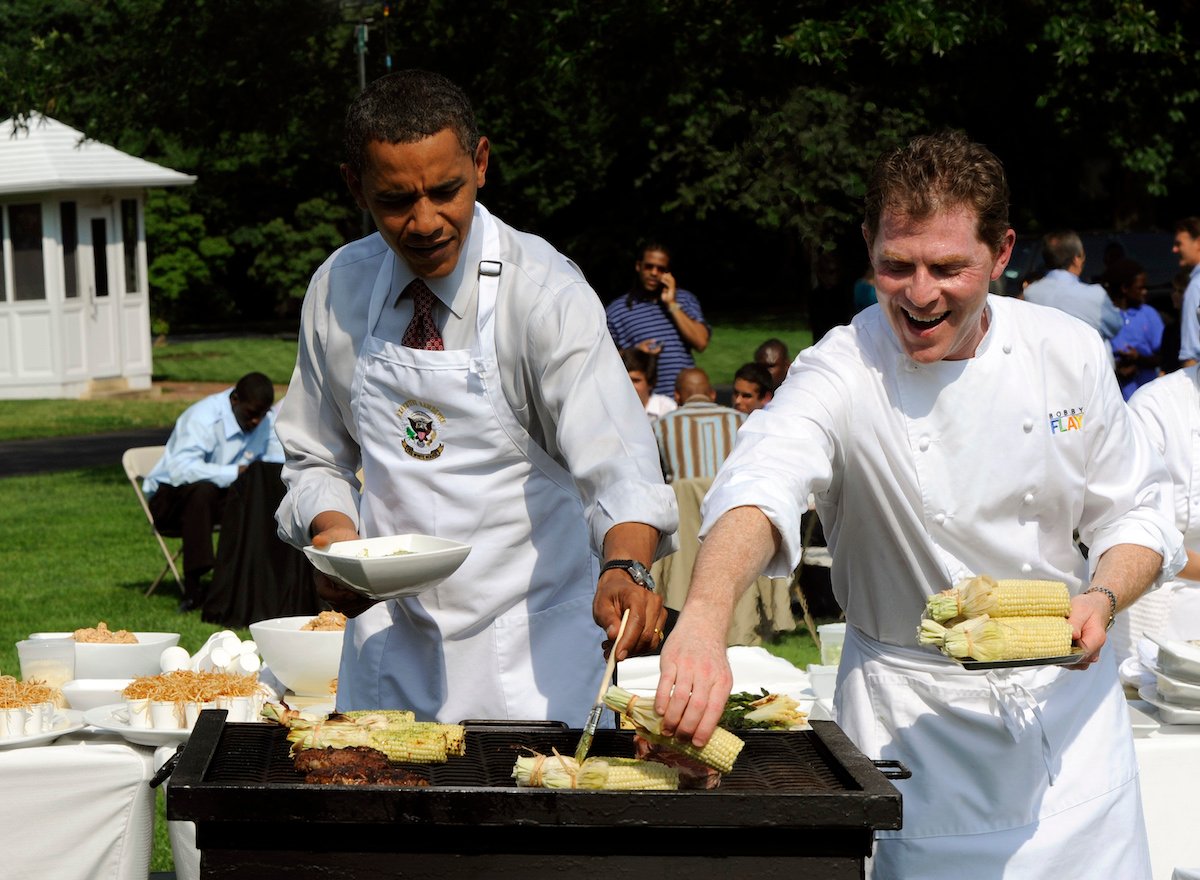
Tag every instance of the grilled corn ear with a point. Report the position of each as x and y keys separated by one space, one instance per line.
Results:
x=612 y=774
x=1001 y=598
x=720 y=752
x=989 y=639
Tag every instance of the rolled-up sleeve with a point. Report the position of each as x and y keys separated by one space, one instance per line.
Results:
x=784 y=452
x=592 y=418
x=1128 y=493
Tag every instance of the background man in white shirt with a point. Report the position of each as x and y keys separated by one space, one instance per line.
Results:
x=533 y=446
x=1187 y=247
x=1062 y=289
x=949 y=433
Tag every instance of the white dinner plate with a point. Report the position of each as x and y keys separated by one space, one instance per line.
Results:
x=113 y=719
x=65 y=721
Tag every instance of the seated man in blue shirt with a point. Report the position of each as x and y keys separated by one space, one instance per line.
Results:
x=213 y=442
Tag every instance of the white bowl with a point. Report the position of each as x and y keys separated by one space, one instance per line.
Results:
x=305 y=661
x=88 y=693
x=1181 y=693
x=108 y=660
x=1179 y=659
x=391 y=567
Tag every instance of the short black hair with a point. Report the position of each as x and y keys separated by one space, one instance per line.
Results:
x=756 y=374
x=406 y=107
x=255 y=389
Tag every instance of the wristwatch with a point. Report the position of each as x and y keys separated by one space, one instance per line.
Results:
x=638 y=573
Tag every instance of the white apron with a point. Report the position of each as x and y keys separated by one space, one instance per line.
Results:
x=1011 y=768
x=510 y=635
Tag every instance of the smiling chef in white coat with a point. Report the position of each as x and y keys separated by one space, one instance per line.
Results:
x=467 y=369
x=946 y=433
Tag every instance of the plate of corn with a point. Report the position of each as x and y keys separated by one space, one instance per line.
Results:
x=984 y=623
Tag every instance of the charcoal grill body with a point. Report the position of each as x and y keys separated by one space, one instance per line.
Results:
x=798 y=804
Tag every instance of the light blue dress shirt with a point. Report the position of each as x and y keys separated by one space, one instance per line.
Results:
x=207 y=443
x=1189 y=320
x=1089 y=303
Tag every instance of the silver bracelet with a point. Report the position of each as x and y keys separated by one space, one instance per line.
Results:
x=1112 y=603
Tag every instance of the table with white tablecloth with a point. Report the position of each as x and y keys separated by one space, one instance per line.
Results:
x=80 y=808
x=1169 y=765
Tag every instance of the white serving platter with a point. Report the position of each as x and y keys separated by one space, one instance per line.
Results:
x=1169 y=713
x=114 y=718
x=65 y=721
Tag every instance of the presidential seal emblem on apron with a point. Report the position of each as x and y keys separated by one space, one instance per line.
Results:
x=422 y=424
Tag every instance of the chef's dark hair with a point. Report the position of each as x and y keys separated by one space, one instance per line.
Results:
x=406 y=107
x=936 y=172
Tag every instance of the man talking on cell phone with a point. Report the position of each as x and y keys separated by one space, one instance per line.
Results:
x=658 y=317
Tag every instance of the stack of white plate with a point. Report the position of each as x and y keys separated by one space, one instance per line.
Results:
x=1176 y=689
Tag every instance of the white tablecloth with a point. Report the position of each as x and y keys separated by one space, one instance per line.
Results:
x=1169 y=764
x=80 y=808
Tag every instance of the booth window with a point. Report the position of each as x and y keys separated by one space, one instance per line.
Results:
x=29 y=271
x=129 y=236
x=100 y=255
x=3 y=266
x=70 y=244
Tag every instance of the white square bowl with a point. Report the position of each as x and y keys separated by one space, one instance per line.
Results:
x=88 y=693
x=112 y=660
x=390 y=567
x=304 y=661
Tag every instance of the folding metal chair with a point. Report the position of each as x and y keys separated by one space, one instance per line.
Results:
x=138 y=462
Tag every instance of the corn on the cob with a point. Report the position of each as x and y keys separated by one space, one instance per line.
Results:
x=613 y=774
x=1004 y=598
x=403 y=746
x=390 y=716
x=719 y=752
x=1008 y=638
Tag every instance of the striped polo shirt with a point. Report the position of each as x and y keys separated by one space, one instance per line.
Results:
x=632 y=320
x=694 y=439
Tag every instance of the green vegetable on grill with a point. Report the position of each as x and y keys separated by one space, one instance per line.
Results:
x=761 y=711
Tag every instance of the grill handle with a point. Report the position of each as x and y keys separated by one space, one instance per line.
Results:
x=168 y=765
x=892 y=769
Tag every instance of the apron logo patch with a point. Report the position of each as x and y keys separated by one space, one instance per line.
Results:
x=1066 y=420
x=422 y=423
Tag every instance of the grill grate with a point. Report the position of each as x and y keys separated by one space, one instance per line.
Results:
x=257 y=754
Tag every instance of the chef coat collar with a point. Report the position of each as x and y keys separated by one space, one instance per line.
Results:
x=454 y=290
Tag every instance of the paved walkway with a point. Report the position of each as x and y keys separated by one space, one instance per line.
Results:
x=69 y=453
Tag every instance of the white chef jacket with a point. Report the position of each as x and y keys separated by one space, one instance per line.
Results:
x=1169 y=410
x=560 y=373
x=924 y=474
x=866 y=430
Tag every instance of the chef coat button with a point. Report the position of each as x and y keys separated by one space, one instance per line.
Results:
x=1028 y=426
x=1026 y=568
x=1028 y=498
x=1008 y=348
x=924 y=444
x=939 y=518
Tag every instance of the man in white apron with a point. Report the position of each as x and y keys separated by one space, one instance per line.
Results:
x=466 y=369
x=947 y=433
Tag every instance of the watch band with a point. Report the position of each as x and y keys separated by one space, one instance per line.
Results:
x=637 y=572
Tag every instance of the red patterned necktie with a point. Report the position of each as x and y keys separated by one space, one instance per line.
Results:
x=422 y=332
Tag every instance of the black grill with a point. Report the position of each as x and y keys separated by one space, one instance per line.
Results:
x=796 y=795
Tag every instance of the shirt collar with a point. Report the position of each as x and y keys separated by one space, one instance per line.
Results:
x=454 y=290
x=229 y=420
x=1064 y=275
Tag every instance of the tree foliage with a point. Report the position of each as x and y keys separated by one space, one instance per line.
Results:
x=743 y=132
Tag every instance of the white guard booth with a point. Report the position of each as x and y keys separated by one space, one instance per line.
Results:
x=74 y=299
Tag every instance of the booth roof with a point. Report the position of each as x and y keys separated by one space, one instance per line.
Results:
x=47 y=156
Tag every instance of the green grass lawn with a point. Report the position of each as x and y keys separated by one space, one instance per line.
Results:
x=734 y=340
